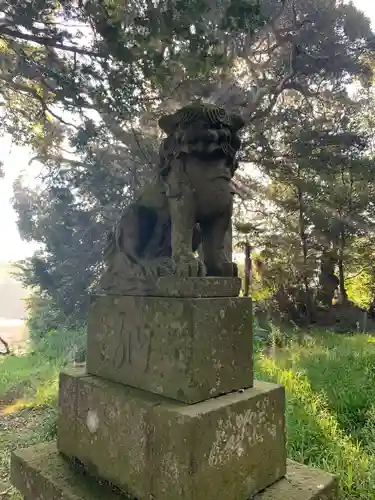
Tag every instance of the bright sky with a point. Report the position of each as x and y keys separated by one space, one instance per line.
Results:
x=16 y=160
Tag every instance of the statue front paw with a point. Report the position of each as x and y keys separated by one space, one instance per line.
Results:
x=224 y=269
x=229 y=269
x=188 y=266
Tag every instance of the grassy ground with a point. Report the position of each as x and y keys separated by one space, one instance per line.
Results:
x=19 y=429
x=28 y=391
x=330 y=385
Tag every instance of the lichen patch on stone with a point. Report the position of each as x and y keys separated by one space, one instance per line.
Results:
x=92 y=421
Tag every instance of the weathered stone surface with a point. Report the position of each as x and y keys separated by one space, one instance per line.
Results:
x=232 y=446
x=41 y=472
x=189 y=349
x=68 y=399
x=173 y=286
x=302 y=483
x=189 y=203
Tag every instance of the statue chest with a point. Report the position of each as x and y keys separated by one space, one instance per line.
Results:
x=213 y=198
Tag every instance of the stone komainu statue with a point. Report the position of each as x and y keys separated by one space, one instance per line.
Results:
x=189 y=204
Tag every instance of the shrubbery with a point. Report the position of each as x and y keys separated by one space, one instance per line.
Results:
x=330 y=388
x=51 y=333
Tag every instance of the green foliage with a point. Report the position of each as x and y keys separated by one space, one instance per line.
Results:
x=315 y=206
x=64 y=344
x=359 y=290
x=52 y=334
x=329 y=382
x=54 y=342
x=31 y=378
x=22 y=376
x=83 y=84
x=43 y=317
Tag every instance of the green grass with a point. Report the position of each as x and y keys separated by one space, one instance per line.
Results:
x=28 y=396
x=330 y=387
x=28 y=391
x=23 y=376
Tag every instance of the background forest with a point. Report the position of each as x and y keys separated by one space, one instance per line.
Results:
x=82 y=84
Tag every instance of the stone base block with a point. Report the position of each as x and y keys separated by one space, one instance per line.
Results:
x=41 y=472
x=178 y=286
x=232 y=446
x=189 y=349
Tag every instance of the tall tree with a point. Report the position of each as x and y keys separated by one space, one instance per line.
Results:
x=83 y=83
x=320 y=178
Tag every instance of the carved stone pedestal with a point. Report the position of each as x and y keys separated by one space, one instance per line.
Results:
x=231 y=446
x=167 y=408
x=189 y=349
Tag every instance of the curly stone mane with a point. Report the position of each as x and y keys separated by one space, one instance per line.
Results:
x=202 y=130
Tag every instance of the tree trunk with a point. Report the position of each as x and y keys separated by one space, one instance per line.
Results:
x=328 y=281
x=247 y=269
x=303 y=236
x=343 y=292
x=6 y=347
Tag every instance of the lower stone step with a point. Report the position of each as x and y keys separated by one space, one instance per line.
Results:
x=232 y=446
x=41 y=472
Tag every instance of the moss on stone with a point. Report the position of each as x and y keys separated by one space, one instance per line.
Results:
x=41 y=473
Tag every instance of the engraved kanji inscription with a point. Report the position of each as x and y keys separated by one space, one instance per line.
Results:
x=132 y=346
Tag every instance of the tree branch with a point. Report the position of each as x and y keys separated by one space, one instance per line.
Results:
x=358 y=273
x=49 y=42
x=279 y=87
x=6 y=347
x=57 y=159
x=19 y=87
